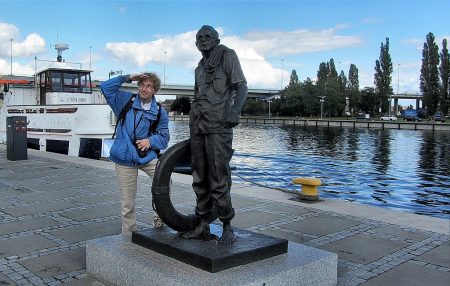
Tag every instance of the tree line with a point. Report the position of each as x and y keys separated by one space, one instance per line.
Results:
x=333 y=94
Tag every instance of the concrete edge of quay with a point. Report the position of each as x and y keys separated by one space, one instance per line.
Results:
x=401 y=218
x=330 y=122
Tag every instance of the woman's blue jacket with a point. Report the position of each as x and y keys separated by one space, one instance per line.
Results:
x=136 y=125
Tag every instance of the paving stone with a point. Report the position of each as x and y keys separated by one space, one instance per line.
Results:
x=363 y=248
x=40 y=208
x=288 y=209
x=84 y=281
x=89 y=231
x=397 y=231
x=48 y=196
x=95 y=199
x=26 y=225
x=93 y=212
x=285 y=235
x=242 y=202
x=250 y=218
x=322 y=225
x=5 y=281
x=110 y=187
x=57 y=264
x=437 y=256
x=23 y=244
x=410 y=274
x=182 y=198
x=15 y=191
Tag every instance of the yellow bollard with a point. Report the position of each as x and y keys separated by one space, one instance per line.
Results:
x=309 y=188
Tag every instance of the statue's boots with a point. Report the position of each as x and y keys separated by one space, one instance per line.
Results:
x=201 y=231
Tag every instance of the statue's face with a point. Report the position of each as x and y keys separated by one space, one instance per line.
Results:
x=206 y=40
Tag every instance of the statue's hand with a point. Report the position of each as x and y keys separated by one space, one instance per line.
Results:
x=232 y=120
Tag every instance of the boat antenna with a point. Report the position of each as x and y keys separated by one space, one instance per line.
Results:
x=60 y=48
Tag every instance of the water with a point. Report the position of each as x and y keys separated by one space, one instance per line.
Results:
x=397 y=169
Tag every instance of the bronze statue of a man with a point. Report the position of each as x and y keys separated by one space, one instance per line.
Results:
x=219 y=94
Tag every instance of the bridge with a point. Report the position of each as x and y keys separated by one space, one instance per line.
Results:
x=188 y=91
x=417 y=96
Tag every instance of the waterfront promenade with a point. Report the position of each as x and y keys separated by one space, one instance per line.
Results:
x=51 y=204
x=337 y=122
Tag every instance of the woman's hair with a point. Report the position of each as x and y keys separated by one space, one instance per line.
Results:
x=153 y=78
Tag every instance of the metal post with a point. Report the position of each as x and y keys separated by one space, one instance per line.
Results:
x=389 y=111
x=11 y=55
x=164 y=78
x=322 y=99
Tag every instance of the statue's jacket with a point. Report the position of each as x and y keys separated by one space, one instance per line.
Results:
x=214 y=95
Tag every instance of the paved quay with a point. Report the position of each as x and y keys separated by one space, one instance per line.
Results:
x=51 y=204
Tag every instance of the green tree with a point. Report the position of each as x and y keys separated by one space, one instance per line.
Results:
x=332 y=73
x=429 y=76
x=369 y=101
x=444 y=71
x=354 y=95
x=294 y=78
x=310 y=94
x=322 y=74
x=253 y=107
x=342 y=93
x=293 y=104
x=383 y=78
x=181 y=104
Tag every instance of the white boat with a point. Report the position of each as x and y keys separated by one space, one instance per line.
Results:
x=65 y=112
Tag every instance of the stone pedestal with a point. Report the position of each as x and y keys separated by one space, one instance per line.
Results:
x=248 y=247
x=114 y=260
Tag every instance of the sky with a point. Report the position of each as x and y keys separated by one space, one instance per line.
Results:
x=271 y=38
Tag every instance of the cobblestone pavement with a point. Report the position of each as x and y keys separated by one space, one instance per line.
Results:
x=51 y=204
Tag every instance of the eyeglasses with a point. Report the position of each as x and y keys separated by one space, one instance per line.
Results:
x=145 y=86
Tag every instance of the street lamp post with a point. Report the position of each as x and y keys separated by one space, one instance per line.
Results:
x=164 y=78
x=11 y=54
x=389 y=111
x=269 y=101
x=322 y=99
x=347 y=106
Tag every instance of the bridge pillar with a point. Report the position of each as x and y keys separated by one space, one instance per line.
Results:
x=417 y=104
x=396 y=106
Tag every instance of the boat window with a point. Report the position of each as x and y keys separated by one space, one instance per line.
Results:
x=56 y=83
x=65 y=81
x=77 y=82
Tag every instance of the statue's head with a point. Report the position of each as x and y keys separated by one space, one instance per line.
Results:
x=206 y=38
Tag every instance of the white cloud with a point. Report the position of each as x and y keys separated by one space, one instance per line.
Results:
x=7 y=31
x=252 y=48
x=18 y=69
x=32 y=44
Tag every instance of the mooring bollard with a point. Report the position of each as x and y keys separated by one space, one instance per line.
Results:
x=309 y=188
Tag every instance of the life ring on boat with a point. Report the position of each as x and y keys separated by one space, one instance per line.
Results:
x=178 y=156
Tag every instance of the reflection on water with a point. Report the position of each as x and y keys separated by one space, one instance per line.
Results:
x=397 y=169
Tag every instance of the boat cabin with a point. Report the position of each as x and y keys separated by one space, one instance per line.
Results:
x=63 y=86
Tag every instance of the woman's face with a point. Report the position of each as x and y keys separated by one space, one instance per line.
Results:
x=146 y=89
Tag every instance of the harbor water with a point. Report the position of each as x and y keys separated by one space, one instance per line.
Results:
x=404 y=170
